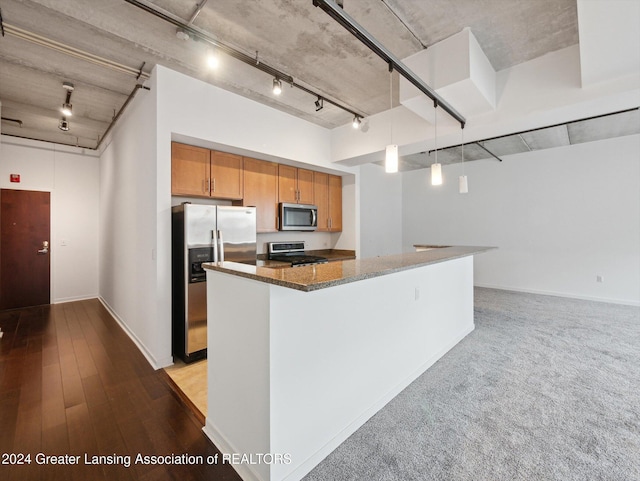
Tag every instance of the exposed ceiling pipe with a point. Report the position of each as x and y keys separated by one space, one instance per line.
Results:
x=340 y=16
x=7 y=119
x=232 y=52
x=72 y=51
x=196 y=12
x=120 y=112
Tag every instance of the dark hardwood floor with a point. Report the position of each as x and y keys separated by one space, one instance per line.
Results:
x=73 y=383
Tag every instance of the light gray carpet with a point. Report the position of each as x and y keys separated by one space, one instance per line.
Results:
x=545 y=388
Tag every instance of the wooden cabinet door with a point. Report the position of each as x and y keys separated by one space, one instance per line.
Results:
x=226 y=176
x=261 y=191
x=189 y=170
x=287 y=184
x=321 y=199
x=305 y=186
x=295 y=185
x=335 y=203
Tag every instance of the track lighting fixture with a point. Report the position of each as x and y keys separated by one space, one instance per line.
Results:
x=67 y=108
x=319 y=104
x=277 y=86
x=64 y=124
x=356 y=122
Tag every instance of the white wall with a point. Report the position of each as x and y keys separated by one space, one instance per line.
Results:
x=72 y=177
x=381 y=217
x=128 y=272
x=559 y=218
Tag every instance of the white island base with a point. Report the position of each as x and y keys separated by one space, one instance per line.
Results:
x=292 y=374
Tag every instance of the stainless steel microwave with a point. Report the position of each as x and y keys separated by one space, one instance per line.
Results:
x=298 y=216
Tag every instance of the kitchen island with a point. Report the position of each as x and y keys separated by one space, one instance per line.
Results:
x=300 y=358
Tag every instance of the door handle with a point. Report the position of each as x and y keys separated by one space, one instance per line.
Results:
x=221 y=241
x=45 y=248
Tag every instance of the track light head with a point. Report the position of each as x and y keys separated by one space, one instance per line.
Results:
x=64 y=124
x=67 y=109
x=319 y=104
x=356 y=122
x=277 y=86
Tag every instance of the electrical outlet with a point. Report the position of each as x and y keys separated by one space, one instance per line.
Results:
x=599 y=278
x=417 y=293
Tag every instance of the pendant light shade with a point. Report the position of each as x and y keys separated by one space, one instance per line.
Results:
x=436 y=174
x=462 y=184
x=391 y=154
x=436 y=168
x=391 y=159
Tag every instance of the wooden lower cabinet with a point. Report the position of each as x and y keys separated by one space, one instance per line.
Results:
x=328 y=197
x=261 y=191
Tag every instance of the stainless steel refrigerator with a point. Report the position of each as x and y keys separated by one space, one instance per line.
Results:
x=203 y=233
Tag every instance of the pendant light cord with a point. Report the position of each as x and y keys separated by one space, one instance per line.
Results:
x=391 y=102
x=435 y=140
x=462 y=147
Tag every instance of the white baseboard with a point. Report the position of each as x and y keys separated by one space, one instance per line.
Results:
x=225 y=447
x=625 y=302
x=64 y=300
x=155 y=363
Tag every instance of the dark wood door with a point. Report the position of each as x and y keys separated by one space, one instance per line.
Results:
x=24 y=248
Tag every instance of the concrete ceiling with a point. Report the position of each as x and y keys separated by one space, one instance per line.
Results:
x=291 y=36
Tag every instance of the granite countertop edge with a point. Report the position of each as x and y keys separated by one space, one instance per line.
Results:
x=368 y=268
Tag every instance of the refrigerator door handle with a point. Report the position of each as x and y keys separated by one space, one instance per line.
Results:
x=221 y=246
x=214 y=235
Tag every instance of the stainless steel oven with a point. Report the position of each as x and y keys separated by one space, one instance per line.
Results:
x=298 y=216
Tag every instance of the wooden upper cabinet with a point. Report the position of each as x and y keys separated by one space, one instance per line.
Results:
x=335 y=203
x=321 y=199
x=295 y=185
x=190 y=169
x=226 y=176
x=305 y=186
x=261 y=191
x=328 y=198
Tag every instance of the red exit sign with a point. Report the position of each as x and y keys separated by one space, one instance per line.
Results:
x=14 y=177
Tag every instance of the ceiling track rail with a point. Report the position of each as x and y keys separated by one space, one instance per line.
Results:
x=339 y=15
x=253 y=61
x=72 y=51
x=561 y=124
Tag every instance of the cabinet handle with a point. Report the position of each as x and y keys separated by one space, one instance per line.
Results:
x=213 y=189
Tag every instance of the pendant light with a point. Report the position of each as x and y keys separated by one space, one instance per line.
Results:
x=391 y=153
x=436 y=168
x=463 y=186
